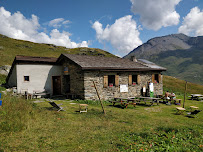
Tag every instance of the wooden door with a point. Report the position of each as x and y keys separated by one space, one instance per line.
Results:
x=67 y=83
x=56 y=81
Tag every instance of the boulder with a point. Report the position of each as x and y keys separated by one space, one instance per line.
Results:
x=4 y=70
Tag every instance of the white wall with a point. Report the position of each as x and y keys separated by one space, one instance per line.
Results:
x=40 y=77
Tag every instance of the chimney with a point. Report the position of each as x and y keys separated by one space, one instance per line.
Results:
x=133 y=58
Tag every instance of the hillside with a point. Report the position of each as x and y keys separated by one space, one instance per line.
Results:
x=180 y=54
x=9 y=48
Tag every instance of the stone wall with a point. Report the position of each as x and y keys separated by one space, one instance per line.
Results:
x=76 y=79
x=111 y=92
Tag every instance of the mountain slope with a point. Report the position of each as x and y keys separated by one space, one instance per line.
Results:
x=9 y=48
x=180 y=54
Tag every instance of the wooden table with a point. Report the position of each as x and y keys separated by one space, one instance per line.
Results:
x=192 y=108
x=196 y=96
x=124 y=101
x=180 y=110
x=83 y=107
x=149 y=99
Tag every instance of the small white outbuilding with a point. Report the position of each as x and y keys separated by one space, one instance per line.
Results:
x=33 y=74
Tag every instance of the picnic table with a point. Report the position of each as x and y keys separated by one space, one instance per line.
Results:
x=124 y=101
x=192 y=108
x=196 y=97
x=180 y=110
x=149 y=99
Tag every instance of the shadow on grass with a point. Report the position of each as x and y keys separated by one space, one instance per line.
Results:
x=124 y=107
x=117 y=106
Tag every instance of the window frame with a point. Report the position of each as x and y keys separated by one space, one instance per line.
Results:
x=134 y=79
x=25 y=78
x=111 y=77
x=156 y=78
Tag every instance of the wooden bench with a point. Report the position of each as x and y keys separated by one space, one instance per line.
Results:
x=177 y=101
x=149 y=99
x=124 y=101
x=40 y=93
x=193 y=108
x=200 y=98
x=120 y=102
x=180 y=110
x=83 y=107
x=133 y=101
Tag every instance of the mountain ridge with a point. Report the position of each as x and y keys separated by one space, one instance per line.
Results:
x=180 y=54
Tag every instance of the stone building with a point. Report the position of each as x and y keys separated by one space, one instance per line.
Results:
x=73 y=75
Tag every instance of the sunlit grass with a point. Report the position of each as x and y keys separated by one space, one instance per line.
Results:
x=43 y=129
x=12 y=47
x=28 y=126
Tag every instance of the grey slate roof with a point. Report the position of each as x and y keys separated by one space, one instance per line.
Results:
x=107 y=63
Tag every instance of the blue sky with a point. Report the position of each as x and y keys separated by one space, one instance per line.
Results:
x=117 y=26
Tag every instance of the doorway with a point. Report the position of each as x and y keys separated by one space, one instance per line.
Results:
x=67 y=83
x=56 y=81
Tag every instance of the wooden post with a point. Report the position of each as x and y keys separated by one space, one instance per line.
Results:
x=185 y=94
x=99 y=97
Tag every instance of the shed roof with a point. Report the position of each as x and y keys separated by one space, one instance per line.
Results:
x=106 y=63
x=31 y=60
x=20 y=58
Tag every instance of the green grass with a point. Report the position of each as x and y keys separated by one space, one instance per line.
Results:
x=35 y=127
x=25 y=126
x=2 y=81
x=9 y=48
x=176 y=85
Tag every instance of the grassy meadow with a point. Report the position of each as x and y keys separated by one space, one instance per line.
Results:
x=9 y=48
x=28 y=126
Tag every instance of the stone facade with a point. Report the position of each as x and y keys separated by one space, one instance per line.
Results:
x=111 y=92
x=81 y=83
x=76 y=79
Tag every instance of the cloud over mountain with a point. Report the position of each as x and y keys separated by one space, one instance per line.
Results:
x=155 y=14
x=123 y=34
x=192 y=23
x=19 y=27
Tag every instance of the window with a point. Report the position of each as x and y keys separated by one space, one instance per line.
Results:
x=26 y=78
x=111 y=80
x=156 y=78
x=134 y=79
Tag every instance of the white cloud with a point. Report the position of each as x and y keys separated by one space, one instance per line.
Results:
x=123 y=34
x=18 y=27
x=192 y=23
x=58 y=22
x=155 y=14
